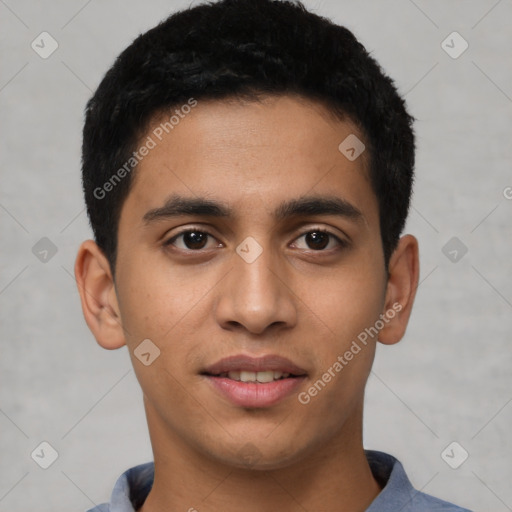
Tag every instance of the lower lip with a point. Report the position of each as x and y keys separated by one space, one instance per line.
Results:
x=251 y=394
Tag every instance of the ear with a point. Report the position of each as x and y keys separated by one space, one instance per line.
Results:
x=401 y=290
x=98 y=296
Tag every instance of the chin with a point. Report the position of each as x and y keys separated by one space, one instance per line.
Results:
x=259 y=455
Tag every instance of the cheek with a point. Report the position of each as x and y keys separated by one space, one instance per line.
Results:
x=170 y=307
x=350 y=300
x=346 y=312
x=156 y=298
x=344 y=348
x=161 y=306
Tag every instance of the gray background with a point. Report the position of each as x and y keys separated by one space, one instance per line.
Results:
x=448 y=380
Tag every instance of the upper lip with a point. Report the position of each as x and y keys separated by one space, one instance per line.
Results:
x=242 y=362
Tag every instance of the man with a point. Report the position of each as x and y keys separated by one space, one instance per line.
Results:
x=247 y=170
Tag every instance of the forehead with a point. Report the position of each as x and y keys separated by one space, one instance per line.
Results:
x=251 y=156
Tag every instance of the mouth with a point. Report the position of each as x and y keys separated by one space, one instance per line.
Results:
x=261 y=377
x=255 y=369
x=254 y=382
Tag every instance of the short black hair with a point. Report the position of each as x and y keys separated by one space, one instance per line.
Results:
x=243 y=49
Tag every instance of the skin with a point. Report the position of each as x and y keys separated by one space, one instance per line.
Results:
x=296 y=300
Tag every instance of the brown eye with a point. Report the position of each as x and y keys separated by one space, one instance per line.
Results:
x=317 y=240
x=194 y=239
x=191 y=239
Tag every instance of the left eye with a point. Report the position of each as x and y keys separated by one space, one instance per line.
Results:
x=319 y=239
x=191 y=239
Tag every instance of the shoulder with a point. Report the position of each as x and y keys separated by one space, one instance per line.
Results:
x=397 y=491
x=425 y=502
x=130 y=490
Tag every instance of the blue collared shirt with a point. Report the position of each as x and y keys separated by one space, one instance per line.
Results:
x=397 y=495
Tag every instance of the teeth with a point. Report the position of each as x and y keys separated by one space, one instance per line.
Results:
x=248 y=376
x=262 y=377
x=265 y=376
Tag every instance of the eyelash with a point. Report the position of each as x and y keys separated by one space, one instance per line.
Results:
x=342 y=243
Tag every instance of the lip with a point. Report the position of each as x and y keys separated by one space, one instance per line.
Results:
x=251 y=394
x=255 y=395
x=242 y=362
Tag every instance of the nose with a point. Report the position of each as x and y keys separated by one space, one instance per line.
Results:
x=256 y=295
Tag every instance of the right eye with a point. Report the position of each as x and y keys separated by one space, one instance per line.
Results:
x=190 y=239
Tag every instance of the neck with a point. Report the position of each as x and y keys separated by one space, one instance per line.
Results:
x=336 y=477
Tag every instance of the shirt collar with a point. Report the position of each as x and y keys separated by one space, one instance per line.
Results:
x=397 y=491
x=133 y=486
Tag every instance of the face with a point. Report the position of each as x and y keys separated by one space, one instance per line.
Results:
x=249 y=248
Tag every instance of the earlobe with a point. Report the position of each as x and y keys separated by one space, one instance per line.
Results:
x=98 y=296
x=401 y=290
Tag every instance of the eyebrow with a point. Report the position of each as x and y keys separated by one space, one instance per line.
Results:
x=176 y=206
